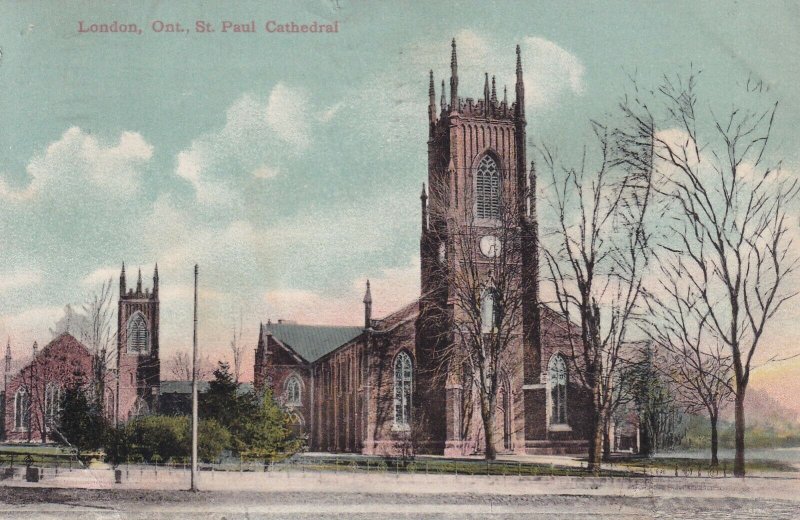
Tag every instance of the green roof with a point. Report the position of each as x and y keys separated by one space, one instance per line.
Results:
x=311 y=342
x=185 y=387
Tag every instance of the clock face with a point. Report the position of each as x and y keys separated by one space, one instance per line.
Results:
x=490 y=246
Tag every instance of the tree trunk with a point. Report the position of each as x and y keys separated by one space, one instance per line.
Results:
x=738 y=461
x=714 y=441
x=487 y=414
x=596 y=434
x=607 y=439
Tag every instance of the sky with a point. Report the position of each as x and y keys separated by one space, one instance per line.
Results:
x=289 y=166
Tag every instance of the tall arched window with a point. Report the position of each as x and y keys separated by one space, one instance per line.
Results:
x=293 y=395
x=489 y=312
x=402 y=390
x=22 y=410
x=558 y=379
x=138 y=340
x=52 y=405
x=487 y=188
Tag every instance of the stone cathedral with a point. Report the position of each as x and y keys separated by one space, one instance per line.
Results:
x=375 y=388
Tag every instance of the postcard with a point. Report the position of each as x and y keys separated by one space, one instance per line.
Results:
x=460 y=259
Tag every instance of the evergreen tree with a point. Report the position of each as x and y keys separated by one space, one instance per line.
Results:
x=267 y=434
x=81 y=424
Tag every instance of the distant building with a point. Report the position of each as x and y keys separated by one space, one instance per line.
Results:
x=369 y=389
x=32 y=397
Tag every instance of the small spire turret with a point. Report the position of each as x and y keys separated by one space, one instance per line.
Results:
x=424 y=203
x=453 y=78
x=155 y=281
x=494 y=92
x=532 y=192
x=443 y=99
x=431 y=101
x=520 y=88
x=139 y=282
x=122 y=284
x=486 y=93
x=8 y=356
x=368 y=308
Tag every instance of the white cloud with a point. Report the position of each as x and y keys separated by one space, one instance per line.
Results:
x=19 y=278
x=79 y=159
x=265 y=172
x=287 y=114
x=100 y=276
x=550 y=72
x=330 y=112
x=258 y=134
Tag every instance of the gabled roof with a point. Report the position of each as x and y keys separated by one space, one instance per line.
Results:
x=65 y=341
x=311 y=342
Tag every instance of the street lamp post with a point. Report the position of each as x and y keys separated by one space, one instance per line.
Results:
x=194 y=388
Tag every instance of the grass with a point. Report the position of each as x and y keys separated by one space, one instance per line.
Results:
x=692 y=466
x=438 y=466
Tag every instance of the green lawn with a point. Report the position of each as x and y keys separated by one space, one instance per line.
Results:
x=667 y=465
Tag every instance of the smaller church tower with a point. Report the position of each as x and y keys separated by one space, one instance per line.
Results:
x=138 y=377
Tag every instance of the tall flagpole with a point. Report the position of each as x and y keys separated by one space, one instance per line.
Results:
x=194 y=388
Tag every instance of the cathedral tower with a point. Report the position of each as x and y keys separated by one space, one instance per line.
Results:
x=479 y=188
x=137 y=348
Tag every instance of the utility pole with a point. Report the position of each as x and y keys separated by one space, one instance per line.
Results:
x=194 y=388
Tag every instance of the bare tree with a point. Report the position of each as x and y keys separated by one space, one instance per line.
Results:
x=238 y=349
x=97 y=332
x=180 y=366
x=483 y=282
x=730 y=225
x=597 y=256
x=692 y=356
x=70 y=322
x=45 y=379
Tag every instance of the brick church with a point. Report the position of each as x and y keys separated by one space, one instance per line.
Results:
x=32 y=396
x=375 y=388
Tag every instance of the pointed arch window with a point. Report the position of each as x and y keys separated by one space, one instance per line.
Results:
x=138 y=335
x=558 y=380
x=22 y=410
x=293 y=391
x=52 y=405
x=403 y=376
x=487 y=188
x=490 y=315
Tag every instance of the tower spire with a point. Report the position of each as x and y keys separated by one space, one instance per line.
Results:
x=8 y=356
x=155 y=281
x=486 y=93
x=505 y=95
x=139 y=281
x=532 y=192
x=520 y=87
x=368 y=308
x=424 y=202
x=453 y=78
x=122 y=288
x=494 y=92
x=443 y=99
x=431 y=101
